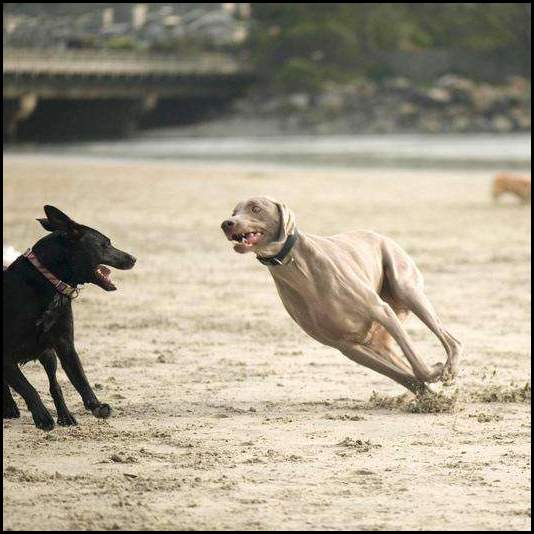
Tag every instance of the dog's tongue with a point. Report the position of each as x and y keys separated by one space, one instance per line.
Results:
x=243 y=242
x=252 y=238
x=104 y=275
x=103 y=271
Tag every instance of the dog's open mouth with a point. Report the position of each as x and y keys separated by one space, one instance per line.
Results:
x=103 y=278
x=245 y=240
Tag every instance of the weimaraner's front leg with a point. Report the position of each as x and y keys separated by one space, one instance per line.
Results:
x=371 y=359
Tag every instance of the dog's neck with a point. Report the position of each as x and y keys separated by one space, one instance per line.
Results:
x=33 y=278
x=50 y=252
x=60 y=286
x=283 y=256
x=294 y=265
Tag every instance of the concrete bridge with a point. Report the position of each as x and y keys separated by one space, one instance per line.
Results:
x=78 y=93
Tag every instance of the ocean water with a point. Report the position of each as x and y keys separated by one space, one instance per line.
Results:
x=418 y=150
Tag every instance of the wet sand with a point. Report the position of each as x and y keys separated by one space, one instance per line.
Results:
x=225 y=414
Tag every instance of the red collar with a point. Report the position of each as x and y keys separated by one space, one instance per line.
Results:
x=61 y=287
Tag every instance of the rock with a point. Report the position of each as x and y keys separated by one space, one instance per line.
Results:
x=460 y=89
x=460 y=124
x=481 y=124
x=502 y=124
x=299 y=101
x=439 y=95
x=407 y=115
x=522 y=118
x=451 y=104
x=430 y=124
x=451 y=81
x=484 y=97
x=332 y=102
x=407 y=108
x=519 y=86
x=365 y=89
x=397 y=83
x=270 y=105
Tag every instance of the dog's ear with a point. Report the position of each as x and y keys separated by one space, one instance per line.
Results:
x=287 y=221
x=57 y=220
x=288 y=225
x=46 y=225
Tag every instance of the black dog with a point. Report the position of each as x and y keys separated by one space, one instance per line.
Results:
x=38 y=323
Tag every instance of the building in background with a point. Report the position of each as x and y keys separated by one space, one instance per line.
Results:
x=141 y=26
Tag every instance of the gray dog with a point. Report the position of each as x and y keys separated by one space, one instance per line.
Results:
x=350 y=291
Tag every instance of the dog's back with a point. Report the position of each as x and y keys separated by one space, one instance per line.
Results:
x=514 y=184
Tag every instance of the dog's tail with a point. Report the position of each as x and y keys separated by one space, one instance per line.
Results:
x=9 y=256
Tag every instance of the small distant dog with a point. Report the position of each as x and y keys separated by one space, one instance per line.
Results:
x=39 y=286
x=509 y=183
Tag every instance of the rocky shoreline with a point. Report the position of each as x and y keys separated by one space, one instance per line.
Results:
x=449 y=105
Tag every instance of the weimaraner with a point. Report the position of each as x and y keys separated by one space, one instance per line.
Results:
x=350 y=291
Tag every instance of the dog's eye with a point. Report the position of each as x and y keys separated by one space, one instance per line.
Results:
x=255 y=209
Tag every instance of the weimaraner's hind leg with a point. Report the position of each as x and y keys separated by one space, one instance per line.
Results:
x=406 y=284
x=369 y=358
x=422 y=307
x=384 y=314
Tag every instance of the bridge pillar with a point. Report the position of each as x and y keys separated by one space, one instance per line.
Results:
x=17 y=110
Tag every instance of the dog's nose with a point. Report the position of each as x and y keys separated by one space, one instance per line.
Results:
x=133 y=259
x=227 y=224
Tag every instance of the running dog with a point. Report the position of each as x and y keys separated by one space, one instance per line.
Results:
x=351 y=291
x=39 y=286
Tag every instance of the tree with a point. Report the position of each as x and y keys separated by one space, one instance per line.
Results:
x=319 y=42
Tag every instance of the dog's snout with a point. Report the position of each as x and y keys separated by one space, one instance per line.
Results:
x=227 y=224
x=124 y=261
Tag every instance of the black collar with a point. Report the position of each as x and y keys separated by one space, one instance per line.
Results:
x=280 y=257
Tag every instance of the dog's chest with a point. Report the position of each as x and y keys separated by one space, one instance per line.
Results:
x=328 y=314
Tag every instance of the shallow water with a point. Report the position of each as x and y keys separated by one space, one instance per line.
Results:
x=468 y=150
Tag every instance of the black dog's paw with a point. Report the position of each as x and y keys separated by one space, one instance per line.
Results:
x=43 y=420
x=102 y=411
x=11 y=412
x=66 y=420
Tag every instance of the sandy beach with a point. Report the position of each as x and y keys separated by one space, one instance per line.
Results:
x=225 y=414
